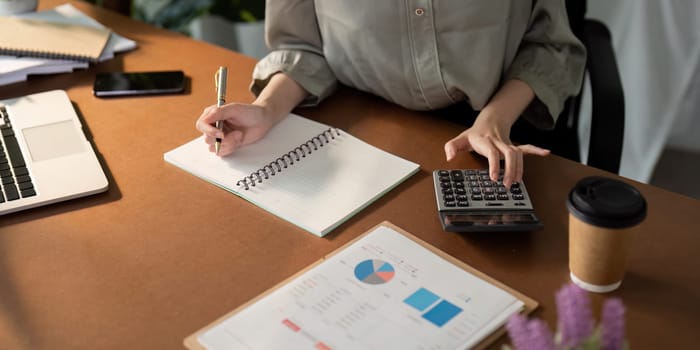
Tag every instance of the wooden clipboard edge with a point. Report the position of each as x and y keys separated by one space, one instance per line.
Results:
x=192 y=343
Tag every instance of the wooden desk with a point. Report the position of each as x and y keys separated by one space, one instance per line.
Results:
x=163 y=253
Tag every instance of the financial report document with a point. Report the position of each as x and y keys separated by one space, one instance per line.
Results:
x=384 y=291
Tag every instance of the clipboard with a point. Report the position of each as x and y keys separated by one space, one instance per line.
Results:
x=191 y=342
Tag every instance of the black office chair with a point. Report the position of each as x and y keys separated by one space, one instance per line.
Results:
x=608 y=103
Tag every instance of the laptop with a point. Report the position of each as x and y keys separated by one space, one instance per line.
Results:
x=44 y=154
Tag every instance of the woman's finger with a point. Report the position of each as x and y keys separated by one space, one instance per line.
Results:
x=531 y=149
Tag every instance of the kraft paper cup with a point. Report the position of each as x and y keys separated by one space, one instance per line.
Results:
x=602 y=216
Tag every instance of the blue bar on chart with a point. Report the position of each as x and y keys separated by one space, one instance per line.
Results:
x=442 y=313
x=421 y=299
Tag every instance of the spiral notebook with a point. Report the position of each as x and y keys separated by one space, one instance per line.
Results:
x=44 y=39
x=303 y=171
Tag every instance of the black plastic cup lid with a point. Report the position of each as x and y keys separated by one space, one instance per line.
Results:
x=606 y=202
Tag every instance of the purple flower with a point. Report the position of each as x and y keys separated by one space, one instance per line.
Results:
x=575 y=325
x=575 y=316
x=540 y=336
x=612 y=325
x=529 y=335
x=517 y=330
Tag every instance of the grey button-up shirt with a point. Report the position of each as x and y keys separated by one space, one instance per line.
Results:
x=424 y=54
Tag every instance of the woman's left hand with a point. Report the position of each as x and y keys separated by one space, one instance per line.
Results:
x=489 y=137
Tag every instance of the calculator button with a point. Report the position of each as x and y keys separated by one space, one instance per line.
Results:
x=459 y=185
x=460 y=191
x=450 y=204
x=502 y=197
x=488 y=190
x=518 y=196
x=477 y=197
x=449 y=197
x=445 y=185
x=444 y=173
x=494 y=204
x=501 y=190
x=447 y=191
x=490 y=197
x=515 y=190
x=463 y=203
x=476 y=190
x=444 y=179
x=462 y=197
x=487 y=183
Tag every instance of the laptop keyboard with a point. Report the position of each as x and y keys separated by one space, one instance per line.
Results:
x=16 y=182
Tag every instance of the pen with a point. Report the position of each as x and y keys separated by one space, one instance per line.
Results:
x=220 y=80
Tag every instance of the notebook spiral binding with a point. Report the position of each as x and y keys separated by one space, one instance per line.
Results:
x=288 y=158
x=45 y=54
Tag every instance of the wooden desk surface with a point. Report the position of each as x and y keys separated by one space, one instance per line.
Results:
x=162 y=253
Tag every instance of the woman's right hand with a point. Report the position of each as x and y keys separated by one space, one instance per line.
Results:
x=247 y=123
x=243 y=124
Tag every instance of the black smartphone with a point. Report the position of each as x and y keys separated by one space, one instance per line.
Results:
x=139 y=83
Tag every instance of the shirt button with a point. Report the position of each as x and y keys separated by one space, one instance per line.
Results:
x=420 y=12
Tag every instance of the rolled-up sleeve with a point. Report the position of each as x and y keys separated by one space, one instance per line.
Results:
x=551 y=60
x=292 y=34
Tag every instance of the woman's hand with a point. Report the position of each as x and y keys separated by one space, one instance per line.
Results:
x=243 y=125
x=247 y=123
x=490 y=134
x=489 y=137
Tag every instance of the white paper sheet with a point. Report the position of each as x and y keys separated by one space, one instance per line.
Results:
x=385 y=291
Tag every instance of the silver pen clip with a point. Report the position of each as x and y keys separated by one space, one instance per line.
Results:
x=220 y=81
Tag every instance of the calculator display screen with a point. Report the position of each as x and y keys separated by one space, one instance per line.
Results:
x=483 y=219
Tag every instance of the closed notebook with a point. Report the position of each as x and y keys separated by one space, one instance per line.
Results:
x=36 y=38
x=305 y=172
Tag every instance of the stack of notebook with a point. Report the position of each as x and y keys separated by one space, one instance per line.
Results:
x=54 y=41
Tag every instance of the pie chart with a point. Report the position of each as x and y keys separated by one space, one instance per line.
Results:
x=374 y=271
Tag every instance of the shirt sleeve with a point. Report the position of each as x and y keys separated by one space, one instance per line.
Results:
x=551 y=60
x=291 y=32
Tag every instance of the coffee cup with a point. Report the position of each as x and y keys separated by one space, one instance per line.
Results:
x=602 y=215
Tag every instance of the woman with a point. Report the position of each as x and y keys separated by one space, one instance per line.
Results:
x=504 y=58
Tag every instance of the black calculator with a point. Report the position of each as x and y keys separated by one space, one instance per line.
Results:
x=469 y=201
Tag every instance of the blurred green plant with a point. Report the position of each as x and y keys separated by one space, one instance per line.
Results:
x=177 y=14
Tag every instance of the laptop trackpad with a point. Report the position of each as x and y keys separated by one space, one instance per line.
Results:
x=53 y=140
